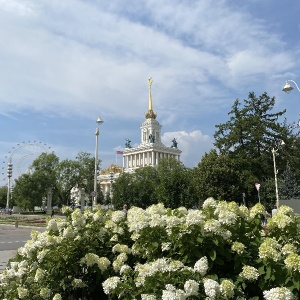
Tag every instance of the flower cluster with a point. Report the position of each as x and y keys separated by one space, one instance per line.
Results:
x=217 y=252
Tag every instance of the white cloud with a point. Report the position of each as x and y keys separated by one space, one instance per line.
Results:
x=192 y=144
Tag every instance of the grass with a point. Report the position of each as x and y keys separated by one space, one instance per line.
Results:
x=40 y=221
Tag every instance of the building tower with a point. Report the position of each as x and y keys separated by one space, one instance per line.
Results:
x=151 y=149
x=147 y=153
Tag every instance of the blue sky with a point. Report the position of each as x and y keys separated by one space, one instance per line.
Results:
x=64 y=63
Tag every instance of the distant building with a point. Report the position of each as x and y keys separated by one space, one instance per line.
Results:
x=147 y=153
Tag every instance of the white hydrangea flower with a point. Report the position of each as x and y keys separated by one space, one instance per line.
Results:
x=165 y=246
x=249 y=273
x=125 y=269
x=279 y=293
x=103 y=263
x=209 y=203
x=68 y=233
x=292 y=262
x=286 y=210
x=118 y=216
x=45 y=293
x=257 y=209
x=227 y=217
x=213 y=226
x=243 y=211
x=78 y=219
x=238 y=247
x=157 y=221
x=148 y=297
x=227 y=288
x=121 y=248
x=212 y=288
x=270 y=249
x=280 y=220
x=66 y=209
x=201 y=266
x=41 y=255
x=191 y=288
x=78 y=283
x=57 y=297
x=110 y=284
x=52 y=225
x=288 y=249
x=171 y=293
x=39 y=274
x=156 y=209
x=22 y=292
x=194 y=217
x=137 y=219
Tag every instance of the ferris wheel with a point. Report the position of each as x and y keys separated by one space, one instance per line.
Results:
x=19 y=160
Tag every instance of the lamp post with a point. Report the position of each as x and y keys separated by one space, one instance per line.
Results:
x=274 y=151
x=9 y=175
x=99 y=121
x=288 y=88
x=111 y=176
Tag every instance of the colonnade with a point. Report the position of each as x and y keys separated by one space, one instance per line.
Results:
x=150 y=158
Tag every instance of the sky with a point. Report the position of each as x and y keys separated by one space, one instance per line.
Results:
x=64 y=63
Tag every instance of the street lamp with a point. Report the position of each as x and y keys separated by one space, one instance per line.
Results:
x=288 y=88
x=274 y=151
x=111 y=176
x=99 y=121
x=9 y=175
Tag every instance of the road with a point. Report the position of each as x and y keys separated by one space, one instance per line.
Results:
x=12 y=238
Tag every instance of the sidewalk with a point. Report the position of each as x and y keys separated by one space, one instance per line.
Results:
x=5 y=256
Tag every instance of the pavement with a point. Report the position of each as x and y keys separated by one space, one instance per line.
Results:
x=12 y=238
x=5 y=256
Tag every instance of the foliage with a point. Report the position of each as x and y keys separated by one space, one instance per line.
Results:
x=60 y=176
x=3 y=196
x=288 y=185
x=251 y=132
x=170 y=183
x=219 y=175
x=218 y=252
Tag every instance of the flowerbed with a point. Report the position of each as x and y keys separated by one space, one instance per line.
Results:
x=218 y=252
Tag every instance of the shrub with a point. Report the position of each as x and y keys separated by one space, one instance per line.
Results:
x=219 y=252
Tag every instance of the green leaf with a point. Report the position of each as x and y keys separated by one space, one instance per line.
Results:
x=212 y=255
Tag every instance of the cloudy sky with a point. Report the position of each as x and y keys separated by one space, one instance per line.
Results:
x=64 y=63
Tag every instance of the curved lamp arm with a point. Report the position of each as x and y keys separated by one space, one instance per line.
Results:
x=288 y=88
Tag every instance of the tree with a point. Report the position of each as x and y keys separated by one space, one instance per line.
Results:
x=251 y=132
x=175 y=186
x=123 y=191
x=248 y=137
x=3 y=196
x=29 y=191
x=219 y=176
x=288 y=185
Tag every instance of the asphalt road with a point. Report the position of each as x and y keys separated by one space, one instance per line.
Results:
x=12 y=238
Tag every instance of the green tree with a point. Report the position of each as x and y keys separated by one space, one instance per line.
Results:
x=29 y=190
x=252 y=131
x=175 y=186
x=288 y=185
x=3 y=196
x=123 y=190
x=219 y=176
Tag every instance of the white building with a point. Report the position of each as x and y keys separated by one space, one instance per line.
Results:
x=147 y=153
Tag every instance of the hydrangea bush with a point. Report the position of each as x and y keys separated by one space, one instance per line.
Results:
x=218 y=252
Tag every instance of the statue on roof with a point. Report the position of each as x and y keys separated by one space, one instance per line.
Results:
x=174 y=145
x=151 y=138
x=127 y=144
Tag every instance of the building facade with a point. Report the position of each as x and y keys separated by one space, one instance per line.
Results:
x=147 y=153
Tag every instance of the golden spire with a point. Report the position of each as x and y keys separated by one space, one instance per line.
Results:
x=150 y=114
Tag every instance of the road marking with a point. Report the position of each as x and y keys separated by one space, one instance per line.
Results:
x=13 y=242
